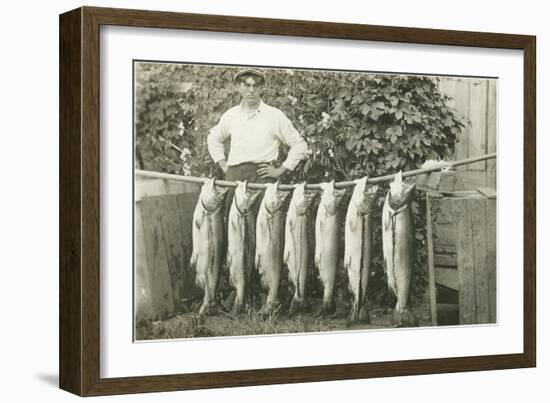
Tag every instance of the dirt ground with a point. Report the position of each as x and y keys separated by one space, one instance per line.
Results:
x=251 y=323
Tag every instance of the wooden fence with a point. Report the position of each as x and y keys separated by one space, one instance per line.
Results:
x=475 y=99
x=464 y=254
x=163 y=278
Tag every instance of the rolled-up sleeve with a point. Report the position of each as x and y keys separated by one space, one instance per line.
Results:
x=215 y=141
x=292 y=138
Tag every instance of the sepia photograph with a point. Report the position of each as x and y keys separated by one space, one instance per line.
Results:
x=280 y=200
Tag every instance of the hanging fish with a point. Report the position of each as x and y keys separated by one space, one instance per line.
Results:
x=297 y=251
x=270 y=226
x=327 y=242
x=398 y=247
x=241 y=240
x=208 y=229
x=358 y=247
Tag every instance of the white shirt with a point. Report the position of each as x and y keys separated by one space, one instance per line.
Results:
x=256 y=137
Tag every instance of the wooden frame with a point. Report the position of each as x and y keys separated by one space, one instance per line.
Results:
x=79 y=201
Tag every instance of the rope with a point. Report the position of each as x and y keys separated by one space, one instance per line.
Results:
x=317 y=186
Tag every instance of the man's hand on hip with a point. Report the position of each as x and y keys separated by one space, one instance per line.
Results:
x=269 y=171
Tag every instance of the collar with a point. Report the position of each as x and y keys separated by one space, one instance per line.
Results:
x=259 y=109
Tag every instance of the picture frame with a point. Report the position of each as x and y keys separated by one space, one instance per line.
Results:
x=80 y=154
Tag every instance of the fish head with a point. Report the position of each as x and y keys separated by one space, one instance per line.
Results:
x=331 y=197
x=302 y=199
x=244 y=197
x=401 y=191
x=274 y=199
x=364 y=195
x=299 y=195
x=212 y=197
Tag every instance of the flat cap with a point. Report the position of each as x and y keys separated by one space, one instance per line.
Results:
x=249 y=72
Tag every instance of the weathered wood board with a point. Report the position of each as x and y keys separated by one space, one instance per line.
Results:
x=476 y=257
x=447 y=276
x=166 y=224
x=143 y=296
x=475 y=100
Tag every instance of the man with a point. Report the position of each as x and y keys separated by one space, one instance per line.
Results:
x=256 y=130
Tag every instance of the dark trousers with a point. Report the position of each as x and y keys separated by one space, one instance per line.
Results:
x=243 y=172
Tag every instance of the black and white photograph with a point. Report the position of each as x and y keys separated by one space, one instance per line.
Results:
x=280 y=200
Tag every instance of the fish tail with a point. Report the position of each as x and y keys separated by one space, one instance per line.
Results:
x=296 y=305
x=404 y=317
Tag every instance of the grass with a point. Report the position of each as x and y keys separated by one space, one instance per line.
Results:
x=225 y=324
x=190 y=325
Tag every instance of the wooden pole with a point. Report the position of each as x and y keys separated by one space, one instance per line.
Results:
x=317 y=186
x=431 y=268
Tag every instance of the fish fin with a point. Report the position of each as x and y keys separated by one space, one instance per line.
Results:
x=347 y=263
x=232 y=222
x=353 y=223
x=286 y=258
x=257 y=261
x=386 y=219
x=193 y=261
x=263 y=225
x=317 y=260
x=229 y=259
x=198 y=220
x=322 y=221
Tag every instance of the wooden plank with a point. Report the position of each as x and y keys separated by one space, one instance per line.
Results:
x=431 y=272
x=441 y=260
x=157 y=259
x=476 y=256
x=472 y=179
x=445 y=249
x=438 y=181
x=478 y=120
x=461 y=193
x=443 y=213
x=489 y=193
x=491 y=265
x=459 y=90
x=479 y=251
x=168 y=245
x=466 y=273
x=176 y=254
x=444 y=234
x=491 y=132
x=447 y=277
x=447 y=314
x=159 y=187
x=142 y=287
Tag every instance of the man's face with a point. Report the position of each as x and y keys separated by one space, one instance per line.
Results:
x=250 y=89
